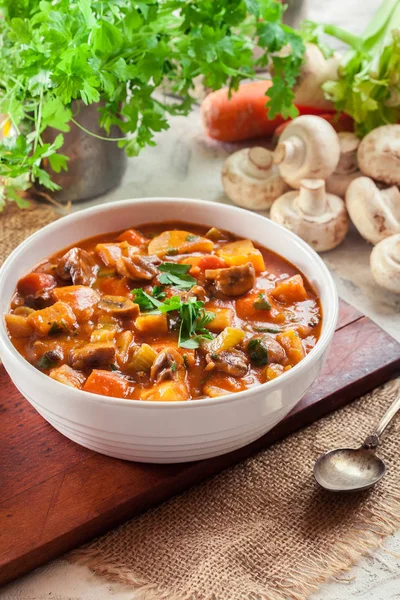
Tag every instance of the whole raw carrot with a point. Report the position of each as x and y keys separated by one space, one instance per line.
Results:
x=244 y=115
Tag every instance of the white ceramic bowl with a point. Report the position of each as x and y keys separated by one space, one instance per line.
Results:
x=156 y=431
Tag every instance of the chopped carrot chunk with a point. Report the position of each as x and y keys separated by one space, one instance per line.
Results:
x=114 y=286
x=35 y=282
x=290 y=290
x=132 y=237
x=211 y=262
x=59 y=316
x=81 y=299
x=107 y=383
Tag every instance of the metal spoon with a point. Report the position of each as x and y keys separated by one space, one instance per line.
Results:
x=354 y=469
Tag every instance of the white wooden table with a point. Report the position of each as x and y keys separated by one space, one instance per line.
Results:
x=186 y=164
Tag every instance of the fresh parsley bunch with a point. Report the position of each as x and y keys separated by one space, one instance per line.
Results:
x=119 y=52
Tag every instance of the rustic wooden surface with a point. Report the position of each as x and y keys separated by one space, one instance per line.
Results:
x=56 y=495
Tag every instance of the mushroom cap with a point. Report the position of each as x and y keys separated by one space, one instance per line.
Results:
x=379 y=154
x=374 y=212
x=315 y=70
x=338 y=183
x=308 y=148
x=251 y=180
x=385 y=263
x=323 y=230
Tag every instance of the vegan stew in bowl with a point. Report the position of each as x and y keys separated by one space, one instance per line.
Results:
x=171 y=312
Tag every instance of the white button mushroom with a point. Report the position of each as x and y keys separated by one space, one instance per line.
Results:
x=385 y=263
x=347 y=169
x=379 y=154
x=315 y=70
x=308 y=148
x=317 y=217
x=374 y=212
x=251 y=180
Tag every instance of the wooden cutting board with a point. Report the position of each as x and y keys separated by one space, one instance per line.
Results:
x=56 y=495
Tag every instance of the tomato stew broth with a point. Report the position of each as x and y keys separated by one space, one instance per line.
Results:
x=237 y=315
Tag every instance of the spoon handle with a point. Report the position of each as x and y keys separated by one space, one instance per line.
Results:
x=372 y=441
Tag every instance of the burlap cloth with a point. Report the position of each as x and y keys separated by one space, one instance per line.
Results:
x=262 y=530
x=17 y=224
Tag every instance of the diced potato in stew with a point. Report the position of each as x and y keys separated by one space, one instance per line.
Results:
x=240 y=253
x=170 y=243
x=167 y=312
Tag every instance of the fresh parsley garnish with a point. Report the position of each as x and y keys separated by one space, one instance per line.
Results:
x=191 y=237
x=173 y=367
x=193 y=316
x=266 y=329
x=261 y=302
x=157 y=292
x=57 y=328
x=144 y=300
x=45 y=362
x=258 y=352
x=113 y=367
x=176 y=275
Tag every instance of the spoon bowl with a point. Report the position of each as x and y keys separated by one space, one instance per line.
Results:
x=349 y=469
x=355 y=469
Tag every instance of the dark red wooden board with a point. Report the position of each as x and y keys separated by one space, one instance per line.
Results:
x=56 y=495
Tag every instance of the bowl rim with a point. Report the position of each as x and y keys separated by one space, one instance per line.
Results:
x=311 y=358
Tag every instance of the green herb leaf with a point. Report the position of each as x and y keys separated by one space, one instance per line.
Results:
x=145 y=301
x=175 y=275
x=45 y=362
x=158 y=293
x=261 y=303
x=113 y=367
x=258 y=352
x=267 y=329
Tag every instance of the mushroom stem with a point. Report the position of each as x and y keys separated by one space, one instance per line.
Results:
x=312 y=197
x=349 y=143
x=391 y=197
x=290 y=151
x=259 y=160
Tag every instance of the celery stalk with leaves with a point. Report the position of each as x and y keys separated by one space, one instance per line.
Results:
x=368 y=88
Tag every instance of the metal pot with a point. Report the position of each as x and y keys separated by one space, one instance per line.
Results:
x=295 y=12
x=95 y=166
